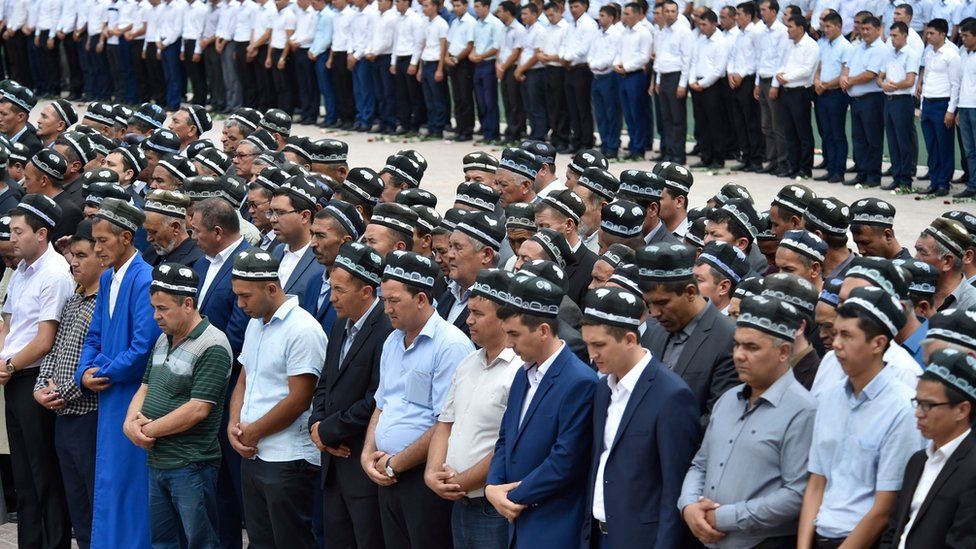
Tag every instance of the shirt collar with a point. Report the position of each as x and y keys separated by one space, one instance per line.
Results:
x=24 y=268
x=774 y=393
x=358 y=325
x=120 y=274
x=460 y=295
x=541 y=369
x=195 y=332
x=629 y=381
x=948 y=448
x=873 y=388
x=290 y=303
x=222 y=255
x=505 y=357
x=299 y=252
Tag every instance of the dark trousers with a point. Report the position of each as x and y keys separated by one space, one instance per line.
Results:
x=74 y=442
x=85 y=61
x=35 y=61
x=173 y=72
x=362 y=81
x=100 y=68
x=229 y=493
x=384 y=86
x=771 y=114
x=246 y=75
x=412 y=516
x=462 y=90
x=76 y=80
x=798 y=128
x=183 y=507
x=899 y=117
x=112 y=56
x=17 y=61
x=832 y=109
x=512 y=101
x=436 y=98
x=154 y=68
x=606 y=107
x=475 y=524
x=636 y=109
x=278 y=501
x=867 y=134
x=214 y=77
x=350 y=518
x=555 y=97
x=308 y=90
x=662 y=146
x=967 y=129
x=284 y=82
x=939 y=142
x=486 y=96
x=129 y=82
x=342 y=81
x=323 y=77
x=264 y=80
x=534 y=102
x=579 y=81
x=43 y=519
x=50 y=82
x=674 y=117
x=196 y=73
x=745 y=119
x=228 y=70
x=710 y=116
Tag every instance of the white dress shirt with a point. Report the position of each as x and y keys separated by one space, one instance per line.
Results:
x=603 y=50
x=408 y=35
x=532 y=40
x=382 y=40
x=673 y=49
x=194 y=18
x=117 y=276
x=535 y=373
x=511 y=39
x=800 y=63
x=634 y=48
x=305 y=21
x=69 y=14
x=743 y=58
x=228 y=20
x=941 y=77
x=284 y=21
x=363 y=25
x=460 y=33
x=342 y=29
x=216 y=263
x=552 y=40
x=900 y=63
x=772 y=46
x=289 y=260
x=242 y=23
x=709 y=59
x=263 y=20
x=48 y=14
x=171 y=27
x=435 y=29
x=97 y=17
x=577 y=37
x=967 y=88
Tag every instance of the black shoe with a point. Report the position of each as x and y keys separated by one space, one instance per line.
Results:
x=782 y=172
x=961 y=180
x=824 y=177
x=966 y=193
x=770 y=168
x=923 y=177
x=928 y=190
x=698 y=165
x=307 y=121
x=347 y=126
x=462 y=138
x=804 y=175
x=634 y=157
x=436 y=135
x=890 y=187
x=886 y=173
x=852 y=169
x=852 y=182
x=944 y=191
x=612 y=156
x=718 y=165
x=822 y=165
x=836 y=179
x=659 y=158
x=740 y=167
x=871 y=184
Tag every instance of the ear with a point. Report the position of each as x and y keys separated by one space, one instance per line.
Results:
x=742 y=244
x=725 y=287
x=817 y=269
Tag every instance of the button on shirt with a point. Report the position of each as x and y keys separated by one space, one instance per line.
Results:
x=709 y=59
x=634 y=48
x=620 y=391
x=603 y=50
x=674 y=47
x=552 y=39
x=861 y=444
x=577 y=37
x=291 y=344
x=289 y=260
x=898 y=66
x=941 y=77
x=934 y=462
x=742 y=60
x=535 y=372
x=460 y=33
x=415 y=380
x=475 y=405
x=487 y=35
x=773 y=44
x=967 y=88
x=753 y=461
x=800 y=63
x=833 y=55
x=866 y=57
x=408 y=34
x=36 y=293
x=216 y=262
x=435 y=30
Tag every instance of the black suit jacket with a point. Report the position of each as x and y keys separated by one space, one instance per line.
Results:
x=444 y=304
x=187 y=253
x=343 y=402
x=31 y=141
x=947 y=517
x=71 y=216
x=706 y=361
x=579 y=274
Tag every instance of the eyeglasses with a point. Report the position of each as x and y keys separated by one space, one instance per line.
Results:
x=926 y=406
x=256 y=205
x=243 y=155
x=275 y=214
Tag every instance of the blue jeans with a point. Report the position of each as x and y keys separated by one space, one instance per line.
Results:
x=967 y=127
x=606 y=109
x=867 y=134
x=939 y=142
x=324 y=77
x=899 y=119
x=634 y=99
x=173 y=72
x=362 y=85
x=475 y=524
x=183 y=507
x=832 y=115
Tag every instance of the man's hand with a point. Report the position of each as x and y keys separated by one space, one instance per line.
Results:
x=442 y=483
x=133 y=430
x=411 y=70
x=950 y=119
x=681 y=92
x=497 y=495
x=375 y=467
x=342 y=451
x=94 y=383
x=234 y=433
x=773 y=93
x=350 y=62
x=49 y=397
x=696 y=517
x=696 y=87
x=845 y=83
x=196 y=57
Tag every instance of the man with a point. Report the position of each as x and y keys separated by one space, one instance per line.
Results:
x=943 y=245
x=344 y=397
x=633 y=479
x=462 y=444
x=365 y=21
x=630 y=61
x=509 y=49
x=36 y=294
x=596 y=189
x=872 y=225
x=338 y=63
x=685 y=322
x=282 y=356
x=55 y=119
x=939 y=90
x=745 y=116
x=473 y=247
x=417 y=363
x=675 y=44
x=486 y=42
x=863 y=433
x=645 y=190
x=580 y=32
x=829 y=219
x=334 y=225
x=557 y=119
x=794 y=80
x=16 y=104
x=460 y=44
x=516 y=174
x=966 y=107
x=561 y=211
x=166 y=230
x=859 y=81
x=678 y=181
x=931 y=508
x=533 y=482
x=706 y=80
x=802 y=253
x=718 y=270
x=291 y=213
x=259 y=195
x=737 y=223
x=768 y=480
x=171 y=172
x=407 y=39
x=897 y=79
x=605 y=87
x=772 y=45
x=190 y=122
x=831 y=100
x=531 y=74
x=280 y=55
x=176 y=412
x=45 y=174
x=112 y=363
x=170 y=43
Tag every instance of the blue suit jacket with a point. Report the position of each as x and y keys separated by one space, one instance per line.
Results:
x=307 y=269
x=548 y=453
x=649 y=456
x=220 y=303
x=326 y=314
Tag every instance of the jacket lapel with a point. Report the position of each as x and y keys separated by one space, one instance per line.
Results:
x=544 y=385
x=947 y=471
x=300 y=269
x=357 y=343
x=696 y=340
x=643 y=385
x=222 y=274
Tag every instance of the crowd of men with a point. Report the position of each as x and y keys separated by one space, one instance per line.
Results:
x=756 y=75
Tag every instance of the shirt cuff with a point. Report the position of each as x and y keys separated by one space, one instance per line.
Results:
x=726 y=517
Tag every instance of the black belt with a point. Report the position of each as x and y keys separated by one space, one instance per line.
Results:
x=868 y=95
x=935 y=99
x=669 y=73
x=631 y=73
x=898 y=96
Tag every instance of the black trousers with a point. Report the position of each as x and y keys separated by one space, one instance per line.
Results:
x=43 y=519
x=798 y=128
x=556 y=106
x=512 y=101
x=264 y=80
x=342 y=83
x=410 y=106
x=462 y=90
x=412 y=516
x=246 y=75
x=154 y=71
x=51 y=65
x=278 y=502
x=76 y=80
x=745 y=119
x=284 y=82
x=710 y=108
x=308 y=90
x=143 y=85
x=74 y=440
x=195 y=73
x=214 y=77
x=579 y=80
x=674 y=117
x=350 y=516
x=16 y=48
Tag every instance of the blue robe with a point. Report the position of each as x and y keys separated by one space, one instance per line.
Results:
x=119 y=347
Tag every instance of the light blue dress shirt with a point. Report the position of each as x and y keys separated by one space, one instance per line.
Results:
x=487 y=35
x=833 y=55
x=861 y=444
x=323 y=32
x=864 y=57
x=415 y=381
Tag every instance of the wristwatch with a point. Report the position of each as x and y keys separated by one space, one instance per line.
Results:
x=389 y=470
x=10 y=366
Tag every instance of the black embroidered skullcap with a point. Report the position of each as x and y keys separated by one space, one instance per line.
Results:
x=202 y=187
x=405 y=168
x=98 y=175
x=955 y=369
x=121 y=114
x=726 y=259
x=741 y=212
x=769 y=315
x=520 y=215
x=567 y=203
x=480 y=161
x=520 y=162
x=97 y=192
x=411 y=269
x=545 y=152
x=617 y=254
x=149 y=113
x=545 y=269
x=731 y=191
x=162 y=141
x=830 y=294
x=262 y=139
x=80 y=143
x=19 y=96
x=214 y=159
x=555 y=246
x=416 y=197
x=767 y=233
x=255 y=265
x=17 y=152
x=794 y=198
x=102 y=113
x=874 y=212
x=666 y=262
x=175 y=279
x=200 y=118
x=879 y=272
x=271 y=177
x=394 y=216
x=600 y=182
x=955 y=326
x=880 y=305
x=329 y=151
x=614 y=307
x=622 y=218
x=324 y=183
x=299 y=145
x=121 y=214
x=50 y=163
x=194 y=148
x=65 y=111
x=698 y=212
x=696 y=233
x=4 y=154
x=101 y=145
x=427 y=218
x=626 y=275
x=749 y=287
x=5 y=228
x=828 y=215
x=792 y=289
x=967 y=219
x=247 y=116
x=483 y=228
x=920 y=277
x=178 y=165
x=640 y=185
x=477 y=195
x=452 y=217
x=492 y=284
x=951 y=234
x=535 y=296
x=134 y=156
x=588 y=158
x=83 y=231
x=347 y=216
x=233 y=189
x=416 y=157
x=276 y=121
x=42 y=207
x=168 y=203
x=301 y=189
x=805 y=243
x=360 y=261
x=676 y=177
x=364 y=183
